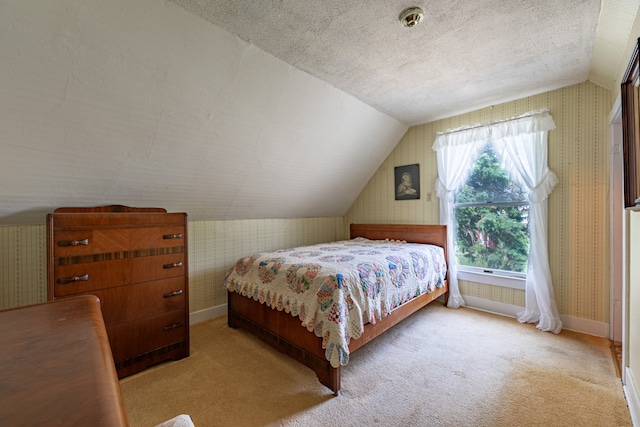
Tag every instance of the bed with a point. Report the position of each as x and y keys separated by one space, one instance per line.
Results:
x=318 y=319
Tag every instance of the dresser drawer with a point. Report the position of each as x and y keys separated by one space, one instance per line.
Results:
x=157 y=267
x=148 y=334
x=71 y=243
x=88 y=277
x=132 y=302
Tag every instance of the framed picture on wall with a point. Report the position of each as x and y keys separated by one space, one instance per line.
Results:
x=407 y=182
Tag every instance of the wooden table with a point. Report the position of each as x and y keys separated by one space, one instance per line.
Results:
x=56 y=366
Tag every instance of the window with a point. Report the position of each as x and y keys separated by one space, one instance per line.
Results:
x=491 y=224
x=521 y=145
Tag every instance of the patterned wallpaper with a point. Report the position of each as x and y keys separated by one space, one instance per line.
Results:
x=578 y=206
x=23 y=265
x=578 y=209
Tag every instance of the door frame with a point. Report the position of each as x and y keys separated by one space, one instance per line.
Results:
x=618 y=317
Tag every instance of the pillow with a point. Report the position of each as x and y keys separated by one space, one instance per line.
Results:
x=179 y=421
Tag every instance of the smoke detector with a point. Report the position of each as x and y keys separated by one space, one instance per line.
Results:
x=411 y=17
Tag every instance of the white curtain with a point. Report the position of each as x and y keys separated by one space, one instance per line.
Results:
x=521 y=144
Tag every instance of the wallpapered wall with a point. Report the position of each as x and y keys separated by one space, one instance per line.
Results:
x=578 y=206
x=23 y=265
x=214 y=246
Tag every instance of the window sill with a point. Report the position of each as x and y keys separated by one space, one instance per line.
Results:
x=492 y=279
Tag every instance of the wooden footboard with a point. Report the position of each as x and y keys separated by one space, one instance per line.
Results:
x=285 y=332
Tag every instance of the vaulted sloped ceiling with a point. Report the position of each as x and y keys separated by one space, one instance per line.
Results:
x=144 y=104
x=243 y=109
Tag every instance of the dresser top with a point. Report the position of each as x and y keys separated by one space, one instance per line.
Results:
x=57 y=367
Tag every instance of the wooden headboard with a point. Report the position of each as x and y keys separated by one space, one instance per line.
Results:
x=412 y=233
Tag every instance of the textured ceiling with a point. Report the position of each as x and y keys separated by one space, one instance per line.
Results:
x=465 y=55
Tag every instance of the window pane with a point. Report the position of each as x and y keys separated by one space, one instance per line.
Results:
x=493 y=237
x=490 y=233
x=489 y=183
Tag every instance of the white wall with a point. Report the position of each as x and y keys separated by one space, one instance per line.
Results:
x=631 y=370
x=141 y=103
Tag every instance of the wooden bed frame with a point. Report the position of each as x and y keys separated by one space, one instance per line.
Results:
x=285 y=332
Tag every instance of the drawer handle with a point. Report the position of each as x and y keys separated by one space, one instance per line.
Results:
x=172 y=294
x=172 y=236
x=84 y=242
x=64 y=280
x=173 y=265
x=174 y=326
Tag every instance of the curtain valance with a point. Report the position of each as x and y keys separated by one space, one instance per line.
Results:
x=539 y=121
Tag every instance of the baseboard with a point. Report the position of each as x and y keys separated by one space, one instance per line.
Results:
x=207 y=314
x=590 y=327
x=631 y=393
x=492 y=306
x=585 y=326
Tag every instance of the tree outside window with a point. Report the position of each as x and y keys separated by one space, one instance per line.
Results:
x=491 y=218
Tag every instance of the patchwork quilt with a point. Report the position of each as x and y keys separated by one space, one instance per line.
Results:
x=335 y=288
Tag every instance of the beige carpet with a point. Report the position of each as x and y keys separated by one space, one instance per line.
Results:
x=440 y=367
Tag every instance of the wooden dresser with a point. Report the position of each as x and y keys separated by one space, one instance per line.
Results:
x=57 y=367
x=135 y=261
